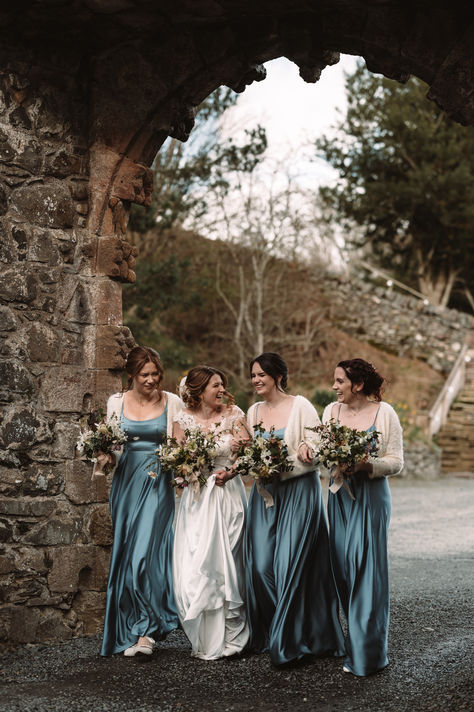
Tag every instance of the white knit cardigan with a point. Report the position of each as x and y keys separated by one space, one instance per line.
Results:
x=390 y=449
x=303 y=415
x=174 y=405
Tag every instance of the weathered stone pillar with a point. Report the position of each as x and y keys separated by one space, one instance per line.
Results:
x=61 y=345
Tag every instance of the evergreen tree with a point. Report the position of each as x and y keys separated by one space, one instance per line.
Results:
x=406 y=178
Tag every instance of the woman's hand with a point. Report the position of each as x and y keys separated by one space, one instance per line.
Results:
x=222 y=476
x=305 y=453
x=236 y=443
x=101 y=462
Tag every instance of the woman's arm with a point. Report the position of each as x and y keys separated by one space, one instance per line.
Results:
x=178 y=432
x=391 y=461
x=240 y=435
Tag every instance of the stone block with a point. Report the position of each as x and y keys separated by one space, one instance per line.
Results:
x=72 y=348
x=80 y=488
x=56 y=531
x=15 y=378
x=43 y=247
x=90 y=608
x=108 y=302
x=52 y=626
x=78 y=567
x=133 y=182
x=48 y=205
x=43 y=343
x=19 y=624
x=17 y=285
x=65 y=439
x=7 y=319
x=81 y=307
x=34 y=507
x=22 y=428
x=100 y=525
x=31 y=559
x=63 y=389
x=106 y=347
x=7 y=564
x=106 y=383
x=43 y=479
x=6 y=532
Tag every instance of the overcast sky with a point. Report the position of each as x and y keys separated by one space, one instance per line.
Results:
x=292 y=111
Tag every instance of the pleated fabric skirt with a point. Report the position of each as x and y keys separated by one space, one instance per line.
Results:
x=291 y=597
x=140 y=597
x=208 y=571
x=358 y=543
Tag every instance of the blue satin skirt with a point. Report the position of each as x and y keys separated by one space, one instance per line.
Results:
x=139 y=593
x=358 y=542
x=291 y=597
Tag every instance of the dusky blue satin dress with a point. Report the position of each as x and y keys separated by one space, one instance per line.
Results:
x=358 y=535
x=139 y=593
x=291 y=597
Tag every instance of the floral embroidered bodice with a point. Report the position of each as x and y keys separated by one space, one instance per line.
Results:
x=223 y=428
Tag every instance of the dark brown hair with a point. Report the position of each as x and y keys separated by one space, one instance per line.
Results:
x=359 y=371
x=196 y=382
x=138 y=357
x=274 y=365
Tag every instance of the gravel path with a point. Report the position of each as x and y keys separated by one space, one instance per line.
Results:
x=431 y=642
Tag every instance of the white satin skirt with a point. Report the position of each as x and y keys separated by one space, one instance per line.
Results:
x=208 y=571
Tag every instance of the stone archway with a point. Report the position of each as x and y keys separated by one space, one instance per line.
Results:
x=89 y=91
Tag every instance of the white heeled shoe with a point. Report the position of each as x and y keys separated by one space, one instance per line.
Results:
x=142 y=649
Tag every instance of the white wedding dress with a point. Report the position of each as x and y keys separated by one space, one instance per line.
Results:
x=208 y=571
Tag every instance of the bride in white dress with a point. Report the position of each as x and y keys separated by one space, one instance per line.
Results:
x=208 y=571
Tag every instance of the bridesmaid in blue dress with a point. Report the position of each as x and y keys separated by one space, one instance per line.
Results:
x=140 y=605
x=291 y=597
x=359 y=526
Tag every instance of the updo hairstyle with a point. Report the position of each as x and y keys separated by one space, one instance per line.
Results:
x=138 y=357
x=274 y=365
x=196 y=383
x=359 y=371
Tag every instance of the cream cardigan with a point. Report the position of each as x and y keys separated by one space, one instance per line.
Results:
x=390 y=456
x=174 y=405
x=303 y=415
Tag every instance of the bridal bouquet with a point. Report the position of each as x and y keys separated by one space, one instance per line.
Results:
x=191 y=461
x=262 y=458
x=342 y=447
x=99 y=437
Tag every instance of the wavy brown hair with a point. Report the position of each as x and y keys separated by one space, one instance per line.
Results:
x=138 y=357
x=196 y=382
x=359 y=371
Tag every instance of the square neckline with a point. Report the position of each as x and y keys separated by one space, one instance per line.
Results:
x=146 y=420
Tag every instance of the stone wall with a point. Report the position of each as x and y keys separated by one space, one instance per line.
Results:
x=422 y=461
x=61 y=342
x=397 y=322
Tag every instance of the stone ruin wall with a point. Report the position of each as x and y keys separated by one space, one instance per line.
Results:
x=397 y=322
x=86 y=100
x=58 y=310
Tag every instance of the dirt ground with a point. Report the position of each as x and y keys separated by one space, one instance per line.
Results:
x=431 y=645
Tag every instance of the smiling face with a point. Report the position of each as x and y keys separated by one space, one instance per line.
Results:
x=214 y=392
x=148 y=379
x=264 y=384
x=346 y=390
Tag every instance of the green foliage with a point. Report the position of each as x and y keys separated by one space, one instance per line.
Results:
x=154 y=304
x=406 y=177
x=321 y=398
